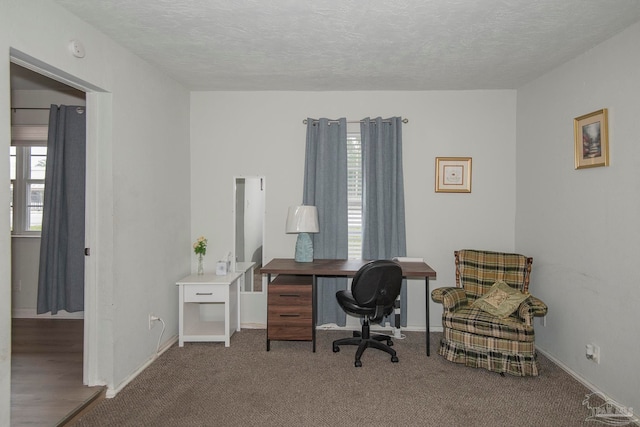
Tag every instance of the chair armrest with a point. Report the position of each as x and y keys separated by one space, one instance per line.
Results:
x=451 y=298
x=530 y=308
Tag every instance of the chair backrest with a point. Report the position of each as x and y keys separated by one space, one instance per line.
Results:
x=477 y=271
x=377 y=284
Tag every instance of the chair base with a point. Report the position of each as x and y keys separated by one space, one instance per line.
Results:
x=365 y=340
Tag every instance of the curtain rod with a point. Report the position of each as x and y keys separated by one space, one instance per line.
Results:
x=355 y=121
x=28 y=108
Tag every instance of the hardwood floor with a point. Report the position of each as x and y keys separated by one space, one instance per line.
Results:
x=46 y=372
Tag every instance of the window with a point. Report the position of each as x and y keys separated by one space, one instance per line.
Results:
x=354 y=195
x=28 y=161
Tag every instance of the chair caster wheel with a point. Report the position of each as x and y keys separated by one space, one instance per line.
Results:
x=390 y=343
x=394 y=359
x=358 y=364
x=336 y=349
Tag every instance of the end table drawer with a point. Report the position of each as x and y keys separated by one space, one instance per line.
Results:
x=205 y=293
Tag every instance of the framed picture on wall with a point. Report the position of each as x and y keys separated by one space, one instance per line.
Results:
x=453 y=174
x=591 y=133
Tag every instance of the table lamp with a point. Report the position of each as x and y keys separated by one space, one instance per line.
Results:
x=303 y=220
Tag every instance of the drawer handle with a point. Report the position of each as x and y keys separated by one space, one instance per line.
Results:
x=290 y=295
x=204 y=293
x=289 y=315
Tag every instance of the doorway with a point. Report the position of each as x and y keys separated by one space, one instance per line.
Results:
x=33 y=341
x=31 y=96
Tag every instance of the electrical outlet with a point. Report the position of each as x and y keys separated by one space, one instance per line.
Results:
x=152 y=319
x=593 y=353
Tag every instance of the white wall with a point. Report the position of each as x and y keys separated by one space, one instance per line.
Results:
x=261 y=133
x=25 y=255
x=581 y=226
x=138 y=149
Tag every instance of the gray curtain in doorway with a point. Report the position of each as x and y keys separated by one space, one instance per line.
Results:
x=384 y=235
x=61 y=274
x=325 y=186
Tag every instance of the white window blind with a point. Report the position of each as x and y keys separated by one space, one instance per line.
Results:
x=354 y=195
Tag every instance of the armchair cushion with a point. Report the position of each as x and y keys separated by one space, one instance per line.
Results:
x=478 y=322
x=501 y=300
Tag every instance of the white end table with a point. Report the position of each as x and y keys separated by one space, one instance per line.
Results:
x=208 y=289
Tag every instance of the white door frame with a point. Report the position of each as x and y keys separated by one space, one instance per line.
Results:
x=98 y=104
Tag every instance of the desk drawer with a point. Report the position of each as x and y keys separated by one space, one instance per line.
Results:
x=298 y=316
x=289 y=323
x=205 y=293
x=288 y=295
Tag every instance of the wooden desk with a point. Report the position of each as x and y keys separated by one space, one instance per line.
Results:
x=344 y=268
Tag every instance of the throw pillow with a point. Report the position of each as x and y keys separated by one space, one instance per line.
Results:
x=501 y=300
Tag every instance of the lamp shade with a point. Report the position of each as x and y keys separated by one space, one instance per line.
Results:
x=302 y=219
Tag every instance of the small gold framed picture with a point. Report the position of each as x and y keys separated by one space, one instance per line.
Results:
x=453 y=174
x=591 y=133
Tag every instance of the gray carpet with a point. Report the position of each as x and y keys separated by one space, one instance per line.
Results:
x=206 y=384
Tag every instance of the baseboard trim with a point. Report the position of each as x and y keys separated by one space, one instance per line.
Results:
x=112 y=392
x=333 y=326
x=253 y=326
x=579 y=378
x=32 y=313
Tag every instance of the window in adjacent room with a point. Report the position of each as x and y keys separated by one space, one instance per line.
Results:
x=28 y=162
x=354 y=194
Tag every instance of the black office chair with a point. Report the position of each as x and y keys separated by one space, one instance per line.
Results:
x=374 y=290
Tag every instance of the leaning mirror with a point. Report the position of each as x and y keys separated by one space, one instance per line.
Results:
x=249 y=210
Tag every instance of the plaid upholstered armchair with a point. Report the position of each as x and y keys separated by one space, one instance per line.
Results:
x=488 y=317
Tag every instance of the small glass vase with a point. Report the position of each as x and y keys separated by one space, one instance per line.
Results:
x=200 y=265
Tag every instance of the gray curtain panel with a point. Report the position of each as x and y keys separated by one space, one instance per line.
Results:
x=384 y=235
x=325 y=186
x=61 y=274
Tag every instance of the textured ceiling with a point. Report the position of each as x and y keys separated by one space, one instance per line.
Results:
x=356 y=44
